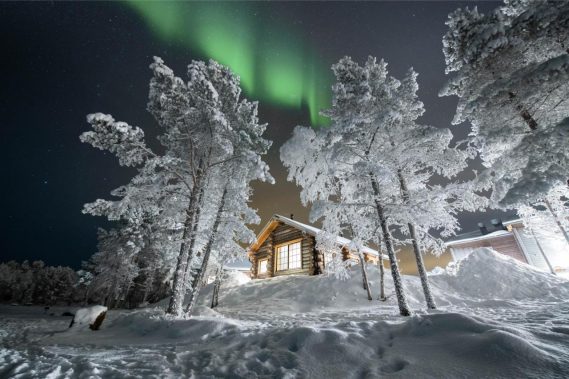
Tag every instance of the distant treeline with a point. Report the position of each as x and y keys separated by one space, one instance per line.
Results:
x=38 y=284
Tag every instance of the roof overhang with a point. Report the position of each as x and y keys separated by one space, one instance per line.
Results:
x=495 y=234
x=489 y=236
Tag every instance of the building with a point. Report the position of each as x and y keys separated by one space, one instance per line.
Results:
x=285 y=246
x=509 y=238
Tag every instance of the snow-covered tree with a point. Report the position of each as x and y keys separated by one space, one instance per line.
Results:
x=549 y=216
x=36 y=283
x=382 y=161
x=229 y=231
x=511 y=76
x=201 y=122
x=114 y=265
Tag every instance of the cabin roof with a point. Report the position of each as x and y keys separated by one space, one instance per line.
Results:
x=308 y=229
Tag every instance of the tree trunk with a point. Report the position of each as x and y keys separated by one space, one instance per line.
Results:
x=543 y=253
x=524 y=113
x=364 y=277
x=381 y=272
x=216 y=287
x=416 y=249
x=557 y=220
x=179 y=282
x=147 y=285
x=397 y=282
x=86 y=300
x=421 y=269
x=193 y=237
x=365 y=281
x=199 y=280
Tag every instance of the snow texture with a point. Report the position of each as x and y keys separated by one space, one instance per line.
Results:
x=497 y=318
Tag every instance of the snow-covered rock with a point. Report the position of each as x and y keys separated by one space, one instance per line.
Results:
x=90 y=316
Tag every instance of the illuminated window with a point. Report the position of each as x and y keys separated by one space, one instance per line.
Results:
x=289 y=257
x=263 y=266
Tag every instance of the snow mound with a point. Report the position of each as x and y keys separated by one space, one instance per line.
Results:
x=235 y=278
x=487 y=274
x=483 y=276
x=292 y=294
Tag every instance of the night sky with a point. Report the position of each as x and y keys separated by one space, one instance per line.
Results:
x=61 y=61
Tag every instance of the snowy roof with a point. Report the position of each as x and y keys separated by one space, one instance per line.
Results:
x=239 y=266
x=309 y=229
x=476 y=236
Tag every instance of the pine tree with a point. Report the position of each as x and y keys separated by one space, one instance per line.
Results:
x=200 y=122
x=114 y=265
x=549 y=216
x=511 y=71
x=383 y=161
x=347 y=157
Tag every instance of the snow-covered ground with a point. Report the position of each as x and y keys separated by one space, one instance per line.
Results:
x=496 y=318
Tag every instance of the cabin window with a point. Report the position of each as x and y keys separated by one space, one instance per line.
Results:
x=263 y=266
x=289 y=257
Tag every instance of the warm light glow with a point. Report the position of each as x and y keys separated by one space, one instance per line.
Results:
x=263 y=266
x=289 y=257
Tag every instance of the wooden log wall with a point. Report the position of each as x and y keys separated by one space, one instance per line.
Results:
x=318 y=259
x=284 y=234
x=312 y=260
x=254 y=265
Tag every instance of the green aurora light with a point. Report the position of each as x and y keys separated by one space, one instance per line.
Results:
x=274 y=63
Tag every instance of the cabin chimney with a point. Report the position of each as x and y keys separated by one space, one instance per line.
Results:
x=291 y=216
x=483 y=229
x=497 y=222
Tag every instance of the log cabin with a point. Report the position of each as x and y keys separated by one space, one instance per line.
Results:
x=286 y=247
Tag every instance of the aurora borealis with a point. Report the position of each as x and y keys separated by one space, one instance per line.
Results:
x=63 y=60
x=275 y=63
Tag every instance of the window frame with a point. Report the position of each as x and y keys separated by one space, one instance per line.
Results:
x=279 y=267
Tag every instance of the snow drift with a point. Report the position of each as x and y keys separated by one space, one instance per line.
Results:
x=432 y=345
x=486 y=274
